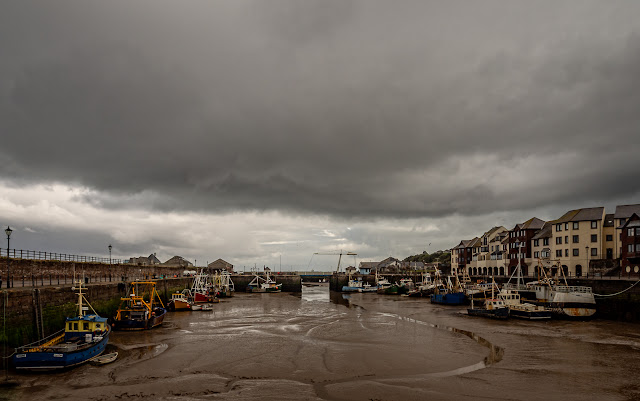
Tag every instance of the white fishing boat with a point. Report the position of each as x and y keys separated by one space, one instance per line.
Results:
x=352 y=285
x=382 y=284
x=564 y=300
x=523 y=310
x=264 y=284
x=222 y=284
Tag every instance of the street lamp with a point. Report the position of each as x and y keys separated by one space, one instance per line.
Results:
x=8 y=231
x=110 y=256
x=586 y=253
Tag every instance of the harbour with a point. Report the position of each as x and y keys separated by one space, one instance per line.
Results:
x=326 y=345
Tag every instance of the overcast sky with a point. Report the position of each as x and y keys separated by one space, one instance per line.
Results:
x=260 y=131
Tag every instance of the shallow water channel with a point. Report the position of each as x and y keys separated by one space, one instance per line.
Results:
x=321 y=345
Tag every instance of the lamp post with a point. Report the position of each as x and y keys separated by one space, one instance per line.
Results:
x=586 y=253
x=110 y=256
x=8 y=231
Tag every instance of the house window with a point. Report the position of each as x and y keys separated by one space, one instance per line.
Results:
x=566 y=239
x=545 y=241
x=558 y=253
x=630 y=248
x=558 y=240
x=576 y=239
x=566 y=226
x=576 y=252
x=621 y=222
x=75 y=326
x=536 y=254
x=609 y=237
x=637 y=247
x=566 y=253
x=70 y=326
x=85 y=326
x=594 y=251
x=575 y=225
x=559 y=227
x=536 y=242
x=630 y=232
x=594 y=224
x=594 y=237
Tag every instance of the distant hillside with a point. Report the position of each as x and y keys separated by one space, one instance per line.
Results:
x=438 y=256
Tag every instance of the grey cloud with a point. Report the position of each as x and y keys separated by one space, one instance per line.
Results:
x=323 y=107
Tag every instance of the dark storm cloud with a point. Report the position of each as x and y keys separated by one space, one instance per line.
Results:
x=345 y=108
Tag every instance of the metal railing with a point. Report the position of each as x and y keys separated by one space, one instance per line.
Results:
x=63 y=257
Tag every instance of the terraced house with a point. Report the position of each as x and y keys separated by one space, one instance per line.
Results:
x=461 y=255
x=485 y=253
x=520 y=252
x=578 y=240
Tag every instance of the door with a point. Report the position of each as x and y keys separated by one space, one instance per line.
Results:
x=609 y=253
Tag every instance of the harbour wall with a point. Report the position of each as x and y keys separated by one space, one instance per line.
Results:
x=622 y=307
x=20 y=306
x=290 y=283
x=31 y=273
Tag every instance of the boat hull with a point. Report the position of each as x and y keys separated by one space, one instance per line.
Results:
x=131 y=324
x=498 y=313
x=346 y=288
x=454 y=298
x=42 y=361
x=177 y=305
x=531 y=314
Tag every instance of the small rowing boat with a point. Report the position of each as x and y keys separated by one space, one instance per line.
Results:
x=106 y=358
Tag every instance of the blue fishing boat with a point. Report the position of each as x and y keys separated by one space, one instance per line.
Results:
x=83 y=338
x=142 y=310
x=448 y=293
x=449 y=298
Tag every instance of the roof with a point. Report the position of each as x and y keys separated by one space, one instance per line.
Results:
x=585 y=214
x=633 y=221
x=533 y=223
x=368 y=265
x=625 y=211
x=545 y=232
x=492 y=231
x=474 y=242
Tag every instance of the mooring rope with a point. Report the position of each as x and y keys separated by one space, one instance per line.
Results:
x=618 y=293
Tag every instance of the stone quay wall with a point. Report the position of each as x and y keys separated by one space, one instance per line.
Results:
x=290 y=283
x=19 y=306
x=43 y=272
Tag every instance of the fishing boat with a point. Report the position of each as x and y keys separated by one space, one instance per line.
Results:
x=366 y=287
x=264 y=284
x=494 y=307
x=425 y=287
x=448 y=292
x=141 y=310
x=405 y=285
x=566 y=301
x=382 y=284
x=84 y=337
x=104 y=359
x=180 y=301
x=202 y=291
x=523 y=310
x=352 y=285
x=223 y=285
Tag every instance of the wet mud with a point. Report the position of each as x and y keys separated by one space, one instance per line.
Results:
x=320 y=345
